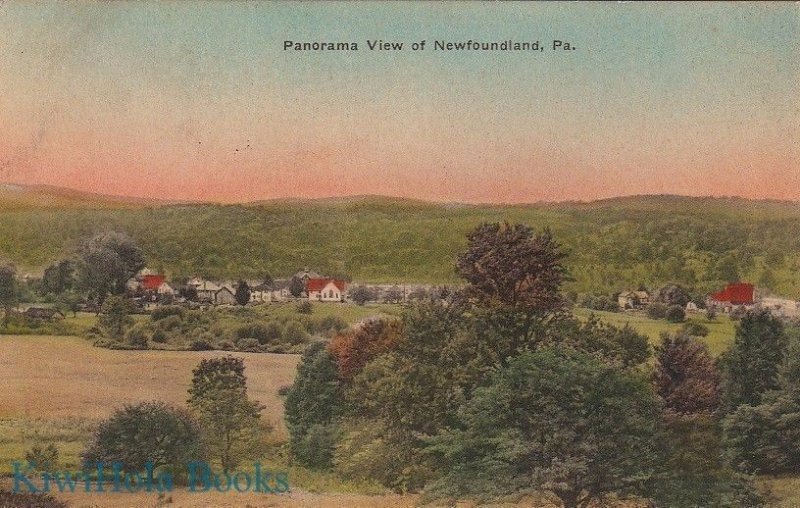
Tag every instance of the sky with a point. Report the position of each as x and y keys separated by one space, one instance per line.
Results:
x=200 y=101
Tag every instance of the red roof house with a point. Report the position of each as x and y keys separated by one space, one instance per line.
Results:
x=152 y=282
x=326 y=289
x=737 y=293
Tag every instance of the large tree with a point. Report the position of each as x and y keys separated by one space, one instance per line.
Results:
x=312 y=406
x=106 y=262
x=242 y=293
x=556 y=420
x=514 y=279
x=751 y=366
x=685 y=376
x=230 y=419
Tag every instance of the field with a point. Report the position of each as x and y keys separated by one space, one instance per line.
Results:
x=720 y=336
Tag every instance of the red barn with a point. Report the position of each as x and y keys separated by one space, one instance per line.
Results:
x=737 y=293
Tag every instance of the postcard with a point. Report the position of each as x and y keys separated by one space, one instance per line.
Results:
x=374 y=254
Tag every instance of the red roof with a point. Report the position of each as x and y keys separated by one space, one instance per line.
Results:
x=152 y=282
x=738 y=293
x=319 y=284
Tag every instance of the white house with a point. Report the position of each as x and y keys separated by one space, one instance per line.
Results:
x=326 y=290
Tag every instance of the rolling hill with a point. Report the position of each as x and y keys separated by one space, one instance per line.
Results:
x=612 y=244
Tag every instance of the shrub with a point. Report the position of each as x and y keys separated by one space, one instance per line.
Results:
x=25 y=500
x=248 y=344
x=294 y=333
x=160 y=313
x=675 y=314
x=305 y=307
x=42 y=458
x=695 y=329
x=170 y=323
x=153 y=432
x=331 y=325
x=137 y=337
x=200 y=345
x=657 y=311
x=159 y=336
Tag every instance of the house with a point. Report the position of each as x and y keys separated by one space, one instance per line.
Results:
x=224 y=296
x=151 y=283
x=326 y=290
x=206 y=290
x=633 y=299
x=43 y=313
x=735 y=294
x=305 y=275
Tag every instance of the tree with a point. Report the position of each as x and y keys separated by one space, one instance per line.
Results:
x=115 y=316
x=548 y=421
x=726 y=268
x=153 y=432
x=107 y=262
x=312 y=407
x=765 y=439
x=8 y=290
x=59 y=277
x=751 y=366
x=514 y=280
x=685 y=377
x=672 y=294
x=656 y=310
x=361 y=295
x=242 y=293
x=354 y=348
x=296 y=287
x=219 y=397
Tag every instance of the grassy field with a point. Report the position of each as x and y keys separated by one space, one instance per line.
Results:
x=720 y=337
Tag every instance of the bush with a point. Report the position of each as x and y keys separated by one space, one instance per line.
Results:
x=25 y=500
x=294 y=333
x=675 y=314
x=331 y=325
x=657 y=311
x=315 y=448
x=137 y=337
x=160 y=313
x=42 y=458
x=159 y=336
x=200 y=345
x=153 y=432
x=695 y=329
x=248 y=344
x=305 y=307
x=170 y=323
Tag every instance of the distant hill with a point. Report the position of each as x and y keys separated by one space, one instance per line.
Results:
x=613 y=244
x=19 y=197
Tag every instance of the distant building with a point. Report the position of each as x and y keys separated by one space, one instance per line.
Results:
x=224 y=296
x=326 y=290
x=737 y=293
x=43 y=313
x=633 y=299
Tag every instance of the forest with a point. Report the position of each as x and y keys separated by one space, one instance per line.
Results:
x=612 y=244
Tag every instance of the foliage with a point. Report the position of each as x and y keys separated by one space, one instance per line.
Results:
x=296 y=287
x=685 y=376
x=354 y=348
x=165 y=311
x=695 y=329
x=305 y=307
x=361 y=295
x=546 y=422
x=42 y=458
x=618 y=345
x=59 y=277
x=751 y=366
x=8 y=290
x=230 y=419
x=314 y=401
x=675 y=314
x=599 y=302
x=153 y=432
x=243 y=292
x=106 y=262
x=657 y=310
x=115 y=316
x=26 y=500
x=765 y=438
x=672 y=294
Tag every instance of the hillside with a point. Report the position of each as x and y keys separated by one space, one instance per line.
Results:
x=613 y=244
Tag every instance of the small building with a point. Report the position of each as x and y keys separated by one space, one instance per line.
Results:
x=633 y=299
x=44 y=313
x=224 y=296
x=326 y=290
x=166 y=289
x=735 y=294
